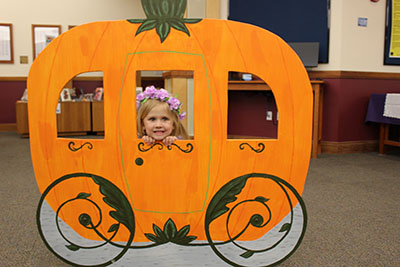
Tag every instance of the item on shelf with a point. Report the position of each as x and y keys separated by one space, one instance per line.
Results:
x=87 y=97
x=74 y=95
x=25 y=95
x=98 y=94
x=65 y=95
x=246 y=77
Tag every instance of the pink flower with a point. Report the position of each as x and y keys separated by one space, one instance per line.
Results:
x=161 y=94
x=140 y=97
x=182 y=115
x=150 y=92
x=173 y=103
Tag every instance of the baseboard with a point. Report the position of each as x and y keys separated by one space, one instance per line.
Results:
x=353 y=75
x=8 y=127
x=349 y=147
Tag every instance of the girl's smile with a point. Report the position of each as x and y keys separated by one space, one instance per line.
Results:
x=158 y=123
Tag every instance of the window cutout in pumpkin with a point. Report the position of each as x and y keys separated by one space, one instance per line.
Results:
x=252 y=110
x=179 y=84
x=80 y=111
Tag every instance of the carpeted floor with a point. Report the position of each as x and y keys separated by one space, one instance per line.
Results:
x=352 y=199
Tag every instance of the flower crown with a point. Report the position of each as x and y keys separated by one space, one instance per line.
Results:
x=160 y=94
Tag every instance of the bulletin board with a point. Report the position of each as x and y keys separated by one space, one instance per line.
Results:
x=392 y=33
x=292 y=20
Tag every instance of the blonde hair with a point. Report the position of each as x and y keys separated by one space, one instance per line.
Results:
x=144 y=109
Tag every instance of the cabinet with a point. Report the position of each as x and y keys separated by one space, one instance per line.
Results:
x=97 y=110
x=74 y=118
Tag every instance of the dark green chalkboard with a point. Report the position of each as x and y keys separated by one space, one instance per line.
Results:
x=293 y=20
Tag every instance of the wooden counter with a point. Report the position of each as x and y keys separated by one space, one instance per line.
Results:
x=74 y=118
x=98 y=117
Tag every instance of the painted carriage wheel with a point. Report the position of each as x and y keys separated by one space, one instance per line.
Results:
x=277 y=245
x=71 y=247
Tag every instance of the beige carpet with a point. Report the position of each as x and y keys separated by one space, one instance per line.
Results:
x=353 y=217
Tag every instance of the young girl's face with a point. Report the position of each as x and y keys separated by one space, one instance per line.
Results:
x=158 y=123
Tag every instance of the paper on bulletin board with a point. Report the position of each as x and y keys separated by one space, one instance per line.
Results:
x=395 y=34
x=5 y=43
x=43 y=36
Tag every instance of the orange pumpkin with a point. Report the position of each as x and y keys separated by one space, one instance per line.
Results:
x=145 y=188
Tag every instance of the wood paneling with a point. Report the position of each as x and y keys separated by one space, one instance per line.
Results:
x=353 y=75
x=16 y=79
x=312 y=75
x=8 y=127
x=349 y=147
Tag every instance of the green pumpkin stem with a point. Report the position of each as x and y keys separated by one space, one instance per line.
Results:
x=162 y=15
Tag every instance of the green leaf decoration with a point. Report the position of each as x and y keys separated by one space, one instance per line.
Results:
x=261 y=199
x=160 y=234
x=247 y=254
x=170 y=229
x=170 y=234
x=191 y=21
x=147 y=25
x=179 y=25
x=183 y=232
x=154 y=238
x=224 y=196
x=116 y=199
x=72 y=247
x=83 y=195
x=162 y=15
x=184 y=241
x=136 y=20
x=285 y=227
x=163 y=30
x=113 y=228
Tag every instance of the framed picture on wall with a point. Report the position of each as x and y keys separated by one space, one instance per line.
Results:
x=392 y=33
x=42 y=35
x=6 y=43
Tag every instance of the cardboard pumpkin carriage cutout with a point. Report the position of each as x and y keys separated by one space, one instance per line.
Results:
x=103 y=199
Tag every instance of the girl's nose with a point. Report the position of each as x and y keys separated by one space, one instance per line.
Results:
x=158 y=123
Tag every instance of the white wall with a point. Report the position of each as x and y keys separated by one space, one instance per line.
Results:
x=364 y=46
x=354 y=48
x=351 y=48
x=23 y=13
x=196 y=8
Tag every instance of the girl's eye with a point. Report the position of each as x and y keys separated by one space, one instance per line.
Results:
x=165 y=119
x=151 y=119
